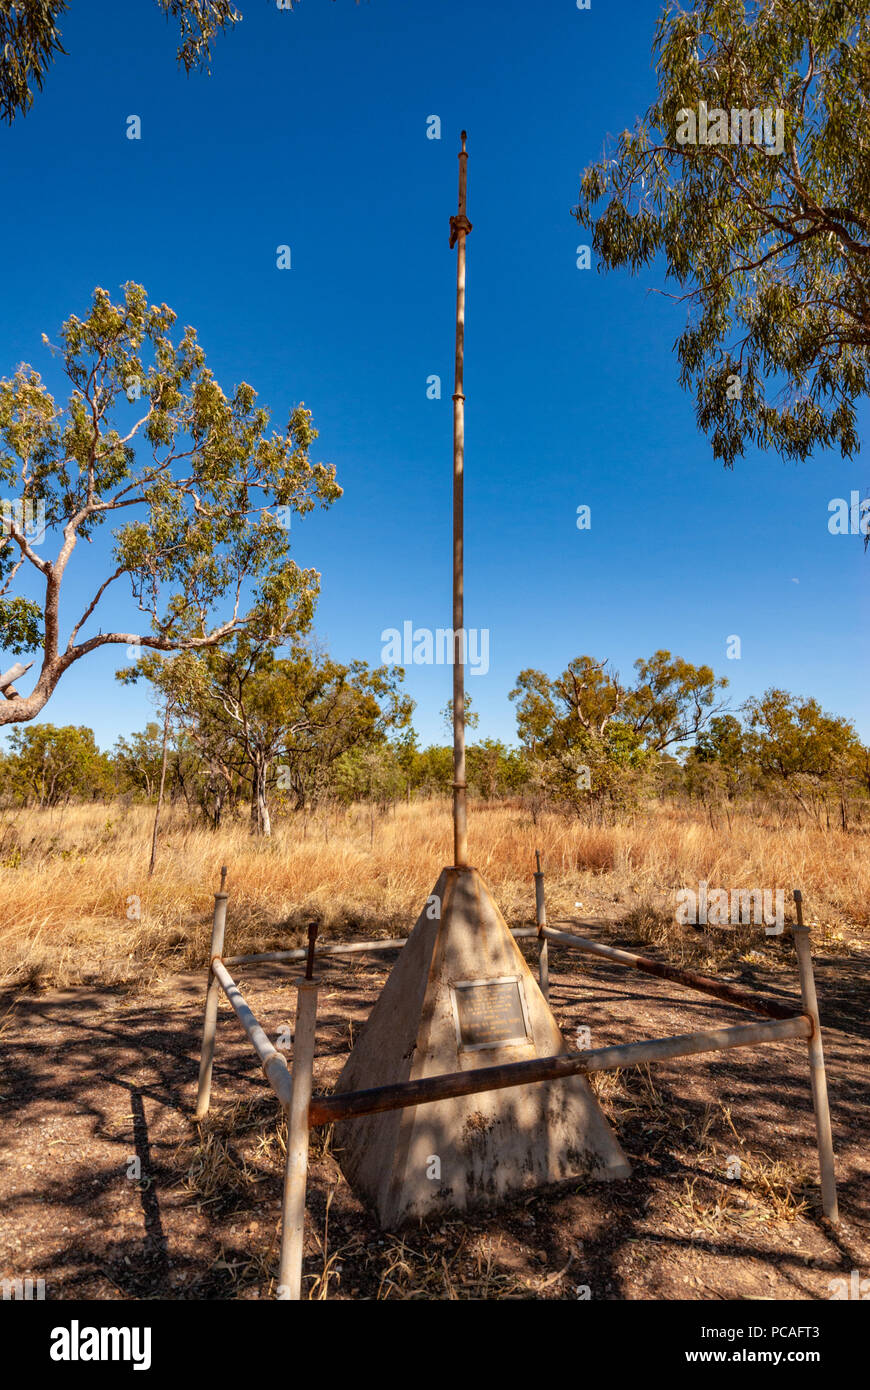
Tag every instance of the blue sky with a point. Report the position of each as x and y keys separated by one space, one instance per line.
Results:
x=311 y=132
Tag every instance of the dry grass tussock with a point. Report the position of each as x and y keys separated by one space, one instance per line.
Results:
x=73 y=881
x=730 y=1182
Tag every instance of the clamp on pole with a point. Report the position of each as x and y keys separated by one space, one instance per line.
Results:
x=458 y=223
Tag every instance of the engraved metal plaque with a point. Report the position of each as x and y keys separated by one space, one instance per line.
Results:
x=489 y=1013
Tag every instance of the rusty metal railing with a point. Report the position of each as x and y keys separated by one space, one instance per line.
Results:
x=325 y=1110
x=701 y=984
x=304 y=1111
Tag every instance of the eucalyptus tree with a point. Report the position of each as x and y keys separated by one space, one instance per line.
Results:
x=31 y=33
x=748 y=179
x=800 y=748
x=201 y=489
x=49 y=766
x=277 y=722
x=587 y=727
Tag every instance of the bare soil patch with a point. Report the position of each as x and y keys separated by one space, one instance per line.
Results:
x=95 y=1078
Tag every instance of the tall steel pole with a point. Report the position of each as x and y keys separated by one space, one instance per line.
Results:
x=459 y=229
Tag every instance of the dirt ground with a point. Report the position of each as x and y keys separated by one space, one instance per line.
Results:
x=95 y=1079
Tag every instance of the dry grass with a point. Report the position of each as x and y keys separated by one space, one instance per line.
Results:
x=72 y=881
x=735 y=1184
x=243 y=1143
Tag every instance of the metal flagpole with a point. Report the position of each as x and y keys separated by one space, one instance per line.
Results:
x=459 y=229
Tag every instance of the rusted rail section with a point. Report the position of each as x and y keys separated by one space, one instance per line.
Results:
x=301 y=952
x=342 y=948
x=703 y=984
x=325 y=1110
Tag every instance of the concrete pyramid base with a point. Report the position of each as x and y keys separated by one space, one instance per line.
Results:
x=461 y=997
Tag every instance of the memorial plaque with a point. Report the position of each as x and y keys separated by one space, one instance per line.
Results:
x=489 y=1013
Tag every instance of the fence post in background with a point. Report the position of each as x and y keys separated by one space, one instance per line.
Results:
x=541 y=919
x=296 y=1167
x=818 y=1080
x=212 y=998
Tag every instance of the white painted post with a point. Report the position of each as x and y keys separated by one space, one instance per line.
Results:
x=212 y=998
x=296 y=1167
x=824 y=1138
x=541 y=919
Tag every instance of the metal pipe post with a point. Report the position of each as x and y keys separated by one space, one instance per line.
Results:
x=212 y=999
x=818 y=1080
x=459 y=229
x=541 y=919
x=296 y=1169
